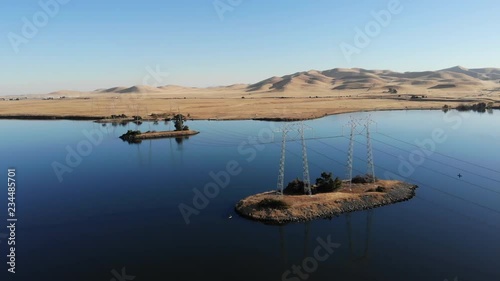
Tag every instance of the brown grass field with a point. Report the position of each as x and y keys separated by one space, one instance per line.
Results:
x=299 y=96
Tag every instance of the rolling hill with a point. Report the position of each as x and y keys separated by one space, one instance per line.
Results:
x=334 y=80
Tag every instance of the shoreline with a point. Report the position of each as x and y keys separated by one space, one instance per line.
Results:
x=52 y=117
x=301 y=208
x=104 y=119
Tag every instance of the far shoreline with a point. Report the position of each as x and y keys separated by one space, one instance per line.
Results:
x=266 y=119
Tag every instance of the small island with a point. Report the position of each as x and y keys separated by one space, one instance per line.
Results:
x=329 y=198
x=137 y=136
x=181 y=130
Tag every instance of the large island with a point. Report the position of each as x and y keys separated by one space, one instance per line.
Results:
x=272 y=207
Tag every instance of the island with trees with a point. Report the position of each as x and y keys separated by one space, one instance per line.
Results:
x=181 y=130
x=327 y=198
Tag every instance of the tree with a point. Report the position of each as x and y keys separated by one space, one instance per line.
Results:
x=295 y=187
x=326 y=183
x=179 y=122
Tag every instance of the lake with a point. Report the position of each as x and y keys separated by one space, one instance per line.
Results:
x=92 y=207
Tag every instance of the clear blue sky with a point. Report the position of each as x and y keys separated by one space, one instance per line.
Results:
x=93 y=44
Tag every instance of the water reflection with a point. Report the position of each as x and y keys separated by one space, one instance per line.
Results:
x=417 y=244
x=284 y=255
x=352 y=256
x=359 y=257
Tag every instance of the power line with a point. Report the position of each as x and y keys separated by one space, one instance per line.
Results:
x=423 y=184
x=432 y=170
x=451 y=157
x=421 y=198
x=420 y=183
x=446 y=175
x=440 y=162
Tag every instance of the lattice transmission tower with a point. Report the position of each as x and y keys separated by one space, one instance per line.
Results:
x=355 y=124
x=285 y=129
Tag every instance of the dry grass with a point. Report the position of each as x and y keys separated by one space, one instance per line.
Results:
x=306 y=95
x=219 y=108
x=304 y=207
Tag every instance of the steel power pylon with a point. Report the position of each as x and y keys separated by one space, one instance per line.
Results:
x=305 y=163
x=350 y=152
x=281 y=177
x=371 y=166
x=354 y=124
x=285 y=129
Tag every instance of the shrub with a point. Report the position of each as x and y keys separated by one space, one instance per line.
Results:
x=326 y=183
x=133 y=133
x=130 y=135
x=363 y=179
x=479 y=107
x=295 y=187
x=378 y=189
x=270 y=203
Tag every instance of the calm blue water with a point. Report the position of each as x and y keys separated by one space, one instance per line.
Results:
x=118 y=208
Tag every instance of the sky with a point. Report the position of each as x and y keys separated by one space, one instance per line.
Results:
x=49 y=45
